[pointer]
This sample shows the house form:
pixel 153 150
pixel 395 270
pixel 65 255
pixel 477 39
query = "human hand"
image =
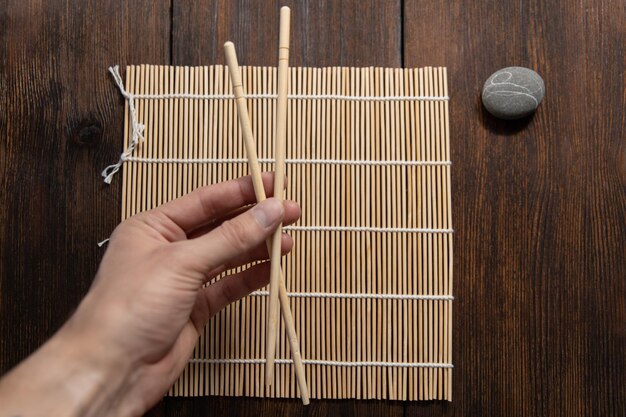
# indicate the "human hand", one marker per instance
pixel 141 318
pixel 148 298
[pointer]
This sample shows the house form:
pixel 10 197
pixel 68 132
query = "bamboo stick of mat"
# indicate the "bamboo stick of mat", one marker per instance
pixel 255 170
pixel 279 183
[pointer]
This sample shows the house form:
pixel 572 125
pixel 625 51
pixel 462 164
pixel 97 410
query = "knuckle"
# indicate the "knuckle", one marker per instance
pixel 207 205
pixel 236 234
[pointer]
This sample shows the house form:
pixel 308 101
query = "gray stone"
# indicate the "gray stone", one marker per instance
pixel 513 92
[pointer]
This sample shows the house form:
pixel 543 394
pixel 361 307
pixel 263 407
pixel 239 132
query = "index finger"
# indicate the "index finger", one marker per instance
pixel 214 201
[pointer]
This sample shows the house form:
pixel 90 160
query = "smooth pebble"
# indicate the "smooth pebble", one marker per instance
pixel 513 92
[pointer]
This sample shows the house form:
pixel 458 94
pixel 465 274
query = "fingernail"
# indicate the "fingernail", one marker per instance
pixel 268 213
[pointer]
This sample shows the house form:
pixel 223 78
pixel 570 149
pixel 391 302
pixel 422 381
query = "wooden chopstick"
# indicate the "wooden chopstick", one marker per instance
pixel 279 183
pixel 255 170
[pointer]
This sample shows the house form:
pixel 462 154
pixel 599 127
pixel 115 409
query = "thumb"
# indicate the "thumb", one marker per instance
pixel 234 237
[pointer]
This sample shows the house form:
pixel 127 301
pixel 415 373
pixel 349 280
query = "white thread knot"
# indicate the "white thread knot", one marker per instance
pixel 137 128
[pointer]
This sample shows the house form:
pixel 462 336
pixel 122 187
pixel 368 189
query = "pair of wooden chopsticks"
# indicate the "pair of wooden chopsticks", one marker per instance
pixel 278 291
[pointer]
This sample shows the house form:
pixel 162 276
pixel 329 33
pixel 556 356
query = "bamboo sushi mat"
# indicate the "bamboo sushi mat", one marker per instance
pixel 370 275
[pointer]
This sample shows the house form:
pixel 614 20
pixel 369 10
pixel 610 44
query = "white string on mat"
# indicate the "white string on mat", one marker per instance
pixel 262 96
pixel 357 162
pixel 367 229
pixel 361 296
pixel 138 129
pixel 239 361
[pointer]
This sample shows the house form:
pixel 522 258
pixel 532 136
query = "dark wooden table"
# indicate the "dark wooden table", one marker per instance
pixel 539 205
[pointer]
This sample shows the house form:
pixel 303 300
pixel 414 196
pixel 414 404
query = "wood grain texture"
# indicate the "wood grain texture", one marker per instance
pixel 539 206
pixel 61 124
pixel 323 33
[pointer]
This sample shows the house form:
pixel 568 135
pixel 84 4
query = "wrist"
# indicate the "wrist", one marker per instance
pixel 97 376
pixel 71 375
